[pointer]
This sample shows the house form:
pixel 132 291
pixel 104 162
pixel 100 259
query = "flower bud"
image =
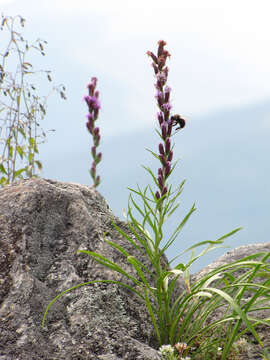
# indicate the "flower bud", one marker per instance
pixel 167 168
pixel 99 157
pixel 160 181
pixel 161 149
pixel 161 44
pixel 164 191
pixel 89 126
pixel 97 182
pixel 164 130
pixel 149 53
pixel 162 160
pixel 92 85
pixel 160 117
pixel 168 145
pixel 155 68
pixel 93 151
pixel 167 92
pixel 167 106
pixel 170 156
pixel 93 170
pixel 96 103
pixel 157 195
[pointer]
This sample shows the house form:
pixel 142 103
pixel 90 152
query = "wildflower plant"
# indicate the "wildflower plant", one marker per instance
pixel 21 107
pixel 93 104
pixel 183 322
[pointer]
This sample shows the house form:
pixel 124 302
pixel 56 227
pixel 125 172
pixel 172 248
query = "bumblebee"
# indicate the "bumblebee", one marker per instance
pixel 177 120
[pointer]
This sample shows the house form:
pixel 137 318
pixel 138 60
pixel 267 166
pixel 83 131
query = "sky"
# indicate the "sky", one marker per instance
pixel 219 65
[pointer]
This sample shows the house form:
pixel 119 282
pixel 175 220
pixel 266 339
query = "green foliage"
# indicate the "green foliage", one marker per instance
pixel 21 107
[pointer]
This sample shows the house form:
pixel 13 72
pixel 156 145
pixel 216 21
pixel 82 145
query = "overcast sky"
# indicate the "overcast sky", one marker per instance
pixel 219 60
pixel 220 52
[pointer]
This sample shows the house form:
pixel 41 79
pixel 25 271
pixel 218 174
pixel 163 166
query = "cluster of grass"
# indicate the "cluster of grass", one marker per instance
pixel 210 318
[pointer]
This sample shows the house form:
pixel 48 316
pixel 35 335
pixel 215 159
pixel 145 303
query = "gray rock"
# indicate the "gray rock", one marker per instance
pixel 42 225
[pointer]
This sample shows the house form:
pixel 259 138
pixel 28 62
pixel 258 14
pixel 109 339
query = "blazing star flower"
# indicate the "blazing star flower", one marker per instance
pixel 93 104
pixel 163 101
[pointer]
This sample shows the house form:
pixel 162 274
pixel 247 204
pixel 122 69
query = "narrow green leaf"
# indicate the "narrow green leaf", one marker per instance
pixel 3 181
pixel 134 262
pixel 238 310
pixel 110 264
pixel 18 172
pixel 84 284
pixel 31 141
pixel 178 229
pixel 20 151
pixel 30 158
pixel 2 169
pixel 39 165
pixel 125 235
pixel 10 151
pixel 152 315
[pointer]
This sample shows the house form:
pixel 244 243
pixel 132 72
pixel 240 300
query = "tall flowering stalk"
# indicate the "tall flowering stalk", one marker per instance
pixel 93 104
pixel 165 122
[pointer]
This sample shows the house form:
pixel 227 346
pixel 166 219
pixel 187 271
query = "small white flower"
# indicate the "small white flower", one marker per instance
pixel 219 350
pixel 166 350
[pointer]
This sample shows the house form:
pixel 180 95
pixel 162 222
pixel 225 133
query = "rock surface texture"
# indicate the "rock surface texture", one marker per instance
pixel 42 225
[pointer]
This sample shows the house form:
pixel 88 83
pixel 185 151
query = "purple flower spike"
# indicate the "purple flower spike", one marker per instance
pixel 162 96
pixel 94 106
